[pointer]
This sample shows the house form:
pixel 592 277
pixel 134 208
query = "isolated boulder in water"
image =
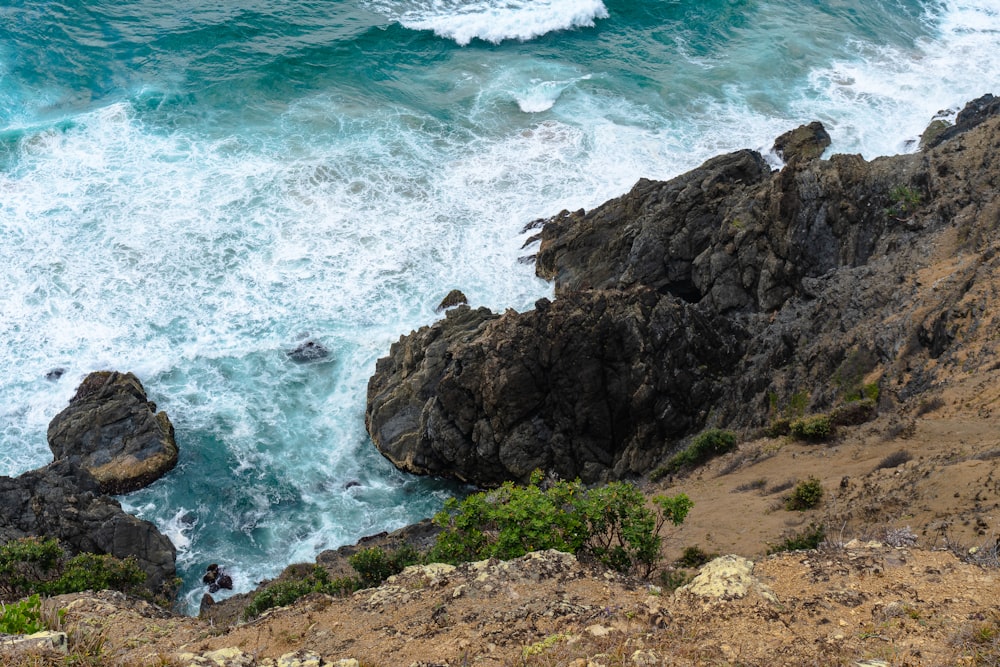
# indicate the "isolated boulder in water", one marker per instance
pixel 308 351
pixel 64 501
pixel 806 142
pixel 111 430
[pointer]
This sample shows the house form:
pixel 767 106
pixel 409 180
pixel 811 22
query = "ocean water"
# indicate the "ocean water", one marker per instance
pixel 190 190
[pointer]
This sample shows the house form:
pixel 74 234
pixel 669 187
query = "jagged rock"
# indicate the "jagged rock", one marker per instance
pixel 973 114
pixel 65 502
pixel 308 351
pixel 115 433
pixel 454 298
pixel 782 278
pixel 806 142
pixel 591 386
pixel 45 641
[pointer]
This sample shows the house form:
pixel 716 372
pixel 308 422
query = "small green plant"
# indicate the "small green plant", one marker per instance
pixel 810 538
pixel 694 556
pixel 374 565
pixel 805 496
pixel 673 579
pixel 610 524
pixel 815 428
pixel 706 445
pixel 905 201
pixel 283 593
pixel 22 618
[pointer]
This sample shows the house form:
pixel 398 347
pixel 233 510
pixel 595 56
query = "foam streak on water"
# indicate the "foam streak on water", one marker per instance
pixel 188 193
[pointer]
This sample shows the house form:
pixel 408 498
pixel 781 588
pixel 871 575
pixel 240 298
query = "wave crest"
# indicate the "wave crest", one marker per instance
pixel 493 20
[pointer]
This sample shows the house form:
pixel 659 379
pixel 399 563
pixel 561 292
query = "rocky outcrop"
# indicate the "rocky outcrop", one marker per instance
pixel 65 502
pixel 590 385
pixel 711 299
pixel 115 433
pixel 110 439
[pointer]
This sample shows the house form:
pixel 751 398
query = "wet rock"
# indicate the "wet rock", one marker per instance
pixel 308 351
pixel 454 298
pixel 972 115
pixel 115 433
pixel 55 374
pixel 806 142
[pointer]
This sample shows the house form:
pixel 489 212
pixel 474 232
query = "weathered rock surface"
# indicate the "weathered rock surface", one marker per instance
pixel 65 502
pixel 710 299
pixel 590 386
pixel 115 433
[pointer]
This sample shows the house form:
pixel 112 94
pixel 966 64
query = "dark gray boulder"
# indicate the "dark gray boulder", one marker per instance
pixel 115 433
pixel 65 502
pixel 806 142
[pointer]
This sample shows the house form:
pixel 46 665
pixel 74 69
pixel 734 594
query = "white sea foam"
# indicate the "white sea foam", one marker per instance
pixel 880 100
pixel 493 20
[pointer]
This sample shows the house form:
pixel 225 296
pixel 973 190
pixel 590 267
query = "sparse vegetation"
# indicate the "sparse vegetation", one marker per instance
pixel 610 524
pixel 706 445
pixel 807 495
pixel 694 556
pixel 752 485
pixel 894 460
pixel 815 428
pixel 905 201
pixel 810 538
pixel 284 593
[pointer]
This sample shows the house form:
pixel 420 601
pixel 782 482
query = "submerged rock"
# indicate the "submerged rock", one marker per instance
pixel 307 351
pixel 112 430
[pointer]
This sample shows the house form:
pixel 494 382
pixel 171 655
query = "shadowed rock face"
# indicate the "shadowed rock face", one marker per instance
pixel 65 502
pixel 709 300
pixel 588 386
pixel 109 440
pixel 112 431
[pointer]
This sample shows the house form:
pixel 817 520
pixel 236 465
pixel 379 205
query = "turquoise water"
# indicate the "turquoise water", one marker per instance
pixel 188 192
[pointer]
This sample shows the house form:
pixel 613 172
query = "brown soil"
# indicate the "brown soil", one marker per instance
pixel 927 601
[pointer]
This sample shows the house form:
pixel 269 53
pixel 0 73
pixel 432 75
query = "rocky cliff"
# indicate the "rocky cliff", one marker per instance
pixel 110 439
pixel 714 299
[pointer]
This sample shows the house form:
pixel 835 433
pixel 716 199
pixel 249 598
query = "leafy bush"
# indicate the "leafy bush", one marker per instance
pixel 284 593
pixel 905 201
pixel 375 565
pixel 610 524
pixel 22 618
pixel 706 445
pixel 806 495
pixel 810 538
pixel 814 429
pixel 33 565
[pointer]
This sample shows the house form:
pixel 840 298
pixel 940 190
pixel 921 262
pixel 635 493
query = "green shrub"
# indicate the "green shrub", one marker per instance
pixel 810 538
pixel 814 429
pixel 374 565
pixel 610 524
pixel 33 565
pixel 21 618
pixel 694 556
pixel 806 495
pixel 706 445
pixel 778 427
pixel 283 593
pixel 671 580
pixel 905 201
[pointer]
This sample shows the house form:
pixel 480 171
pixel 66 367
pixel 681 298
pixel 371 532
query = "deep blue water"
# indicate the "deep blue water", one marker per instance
pixel 189 191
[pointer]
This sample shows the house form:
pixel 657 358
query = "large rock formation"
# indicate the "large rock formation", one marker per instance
pixel 112 430
pixel 710 299
pixel 65 502
pixel 109 440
